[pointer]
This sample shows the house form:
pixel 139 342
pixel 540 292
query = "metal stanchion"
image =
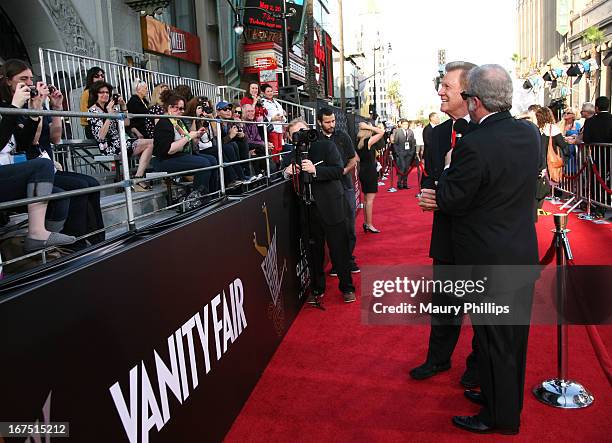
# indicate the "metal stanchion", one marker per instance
pixel 561 392
pixel 392 188
pixel 266 151
pixel 129 204
pixel 220 156
pixel 587 215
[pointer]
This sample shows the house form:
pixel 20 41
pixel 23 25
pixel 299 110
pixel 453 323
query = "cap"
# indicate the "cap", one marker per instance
pixel 222 105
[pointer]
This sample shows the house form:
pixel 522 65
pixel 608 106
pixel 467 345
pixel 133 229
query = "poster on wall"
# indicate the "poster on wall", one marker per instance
pixel 270 77
pixel 161 38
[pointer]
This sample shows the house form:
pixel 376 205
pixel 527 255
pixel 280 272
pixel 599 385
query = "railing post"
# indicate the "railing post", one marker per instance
pixel 126 175
pixel 220 156
pixel 266 151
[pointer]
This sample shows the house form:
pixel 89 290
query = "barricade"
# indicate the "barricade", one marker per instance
pixel 587 178
pixel 124 181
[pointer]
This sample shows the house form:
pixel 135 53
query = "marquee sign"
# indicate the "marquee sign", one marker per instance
pixel 161 38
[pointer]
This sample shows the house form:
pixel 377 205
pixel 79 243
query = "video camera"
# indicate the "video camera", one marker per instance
pixel 302 140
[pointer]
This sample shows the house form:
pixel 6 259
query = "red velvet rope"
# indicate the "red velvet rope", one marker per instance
pixel 577 174
pixel 598 345
pixel 600 180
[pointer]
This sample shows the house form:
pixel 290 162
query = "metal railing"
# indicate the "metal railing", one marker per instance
pixel 587 177
pixel 68 72
pixel 126 182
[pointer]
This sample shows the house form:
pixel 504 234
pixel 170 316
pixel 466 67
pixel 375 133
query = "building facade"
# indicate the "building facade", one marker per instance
pixel 113 30
pixel 553 36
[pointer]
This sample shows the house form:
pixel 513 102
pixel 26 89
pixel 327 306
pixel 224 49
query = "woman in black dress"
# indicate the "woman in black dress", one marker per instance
pixel 367 137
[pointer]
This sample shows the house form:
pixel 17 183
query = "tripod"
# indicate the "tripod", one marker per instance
pixel 561 392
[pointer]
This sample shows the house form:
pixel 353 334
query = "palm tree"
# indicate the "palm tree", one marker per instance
pixel 594 36
pixel 393 91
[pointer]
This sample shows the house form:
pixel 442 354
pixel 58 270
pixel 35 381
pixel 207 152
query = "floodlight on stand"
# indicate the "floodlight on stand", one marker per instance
pixel 238 26
pixel 575 70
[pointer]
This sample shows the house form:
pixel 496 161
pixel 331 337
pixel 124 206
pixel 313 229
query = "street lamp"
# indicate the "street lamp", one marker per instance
pixel 376 48
pixel 284 15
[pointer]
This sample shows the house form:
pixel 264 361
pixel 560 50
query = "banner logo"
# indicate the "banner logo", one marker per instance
pixel 272 273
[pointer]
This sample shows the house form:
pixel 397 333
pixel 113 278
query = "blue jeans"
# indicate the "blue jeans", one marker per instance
pixel 33 178
pixel 205 181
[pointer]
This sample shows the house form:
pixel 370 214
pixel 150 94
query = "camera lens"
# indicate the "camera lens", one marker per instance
pixel 33 91
pixel 115 97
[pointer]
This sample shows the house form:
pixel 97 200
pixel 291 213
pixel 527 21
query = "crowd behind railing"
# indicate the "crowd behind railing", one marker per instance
pixel 216 147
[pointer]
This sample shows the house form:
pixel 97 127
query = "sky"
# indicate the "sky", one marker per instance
pixel 479 31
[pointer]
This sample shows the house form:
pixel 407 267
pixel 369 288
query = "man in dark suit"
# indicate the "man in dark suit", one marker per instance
pixel 434 120
pixel 404 148
pixel 488 190
pixel 445 329
pixel 327 213
pixel 598 129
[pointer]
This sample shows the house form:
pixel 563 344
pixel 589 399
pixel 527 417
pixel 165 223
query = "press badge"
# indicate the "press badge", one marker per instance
pixel 406 145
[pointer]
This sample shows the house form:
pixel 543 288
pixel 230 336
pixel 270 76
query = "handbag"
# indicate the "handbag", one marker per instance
pixel 543 187
pixel 554 162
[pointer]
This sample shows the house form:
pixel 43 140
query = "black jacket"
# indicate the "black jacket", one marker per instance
pixel 427 130
pixel 441 247
pixel 24 134
pixel 327 188
pixel 489 191
pixel 163 137
pixel 136 106
pixel 598 129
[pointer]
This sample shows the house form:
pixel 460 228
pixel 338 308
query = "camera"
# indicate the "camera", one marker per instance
pixel 115 98
pixel 205 105
pixel 52 89
pixel 259 103
pixel 33 91
pixel 304 137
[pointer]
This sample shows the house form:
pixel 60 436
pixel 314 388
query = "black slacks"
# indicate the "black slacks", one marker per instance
pixel 502 355
pixel 338 242
pixel 445 328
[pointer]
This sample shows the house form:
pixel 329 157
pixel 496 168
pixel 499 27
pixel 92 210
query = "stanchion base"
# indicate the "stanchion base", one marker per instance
pixel 381 183
pixel 391 190
pixel 586 217
pixel 565 394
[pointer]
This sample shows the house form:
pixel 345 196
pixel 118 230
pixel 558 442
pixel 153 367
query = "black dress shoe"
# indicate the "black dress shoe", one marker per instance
pixel 427 370
pixel 473 424
pixel 469 379
pixel 474 396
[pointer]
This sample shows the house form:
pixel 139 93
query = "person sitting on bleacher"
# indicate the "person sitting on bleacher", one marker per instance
pixel 94 74
pixel 201 107
pixel 157 106
pixel 257 146
pixel 234 175
pixel 138 104
pixel 172 148
pixel 28 178
pixel 106 131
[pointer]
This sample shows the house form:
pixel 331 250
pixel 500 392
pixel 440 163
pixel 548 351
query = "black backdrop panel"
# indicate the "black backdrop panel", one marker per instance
pixel 121 345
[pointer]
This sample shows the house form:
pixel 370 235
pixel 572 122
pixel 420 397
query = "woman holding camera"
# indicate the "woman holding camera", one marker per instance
pixel 106 131
pixel 200 107
pixel 172 147
pixel 32 178
pixel 367 138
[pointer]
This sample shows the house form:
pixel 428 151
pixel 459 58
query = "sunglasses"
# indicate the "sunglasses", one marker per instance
pixel 238 112
pixel 466 95
pixel 228 108
pixel 178 108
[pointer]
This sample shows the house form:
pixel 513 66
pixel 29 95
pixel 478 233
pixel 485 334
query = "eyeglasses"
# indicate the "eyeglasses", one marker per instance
pixel 466 95
pixel 103 92
pixel 228 108
pixel 100 75
pixel 178 108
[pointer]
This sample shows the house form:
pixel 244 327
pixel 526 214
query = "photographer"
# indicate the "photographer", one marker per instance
pixel 319 162
pixel 172 148
pixel 106 131
pixel 201 107
pixel 229 139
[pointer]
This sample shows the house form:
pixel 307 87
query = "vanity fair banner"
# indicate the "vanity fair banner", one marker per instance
pixel 161 340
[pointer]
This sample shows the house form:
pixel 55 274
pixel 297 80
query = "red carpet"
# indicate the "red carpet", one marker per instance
pixel 334 379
